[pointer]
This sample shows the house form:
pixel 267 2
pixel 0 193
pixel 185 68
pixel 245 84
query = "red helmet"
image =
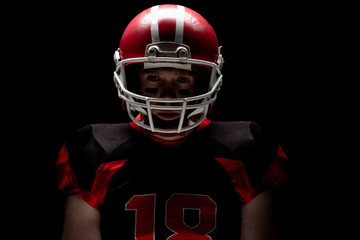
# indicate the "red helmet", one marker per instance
pixel 169 36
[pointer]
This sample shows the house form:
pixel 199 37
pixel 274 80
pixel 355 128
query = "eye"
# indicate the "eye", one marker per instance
pixel 183 80
pixel 153 78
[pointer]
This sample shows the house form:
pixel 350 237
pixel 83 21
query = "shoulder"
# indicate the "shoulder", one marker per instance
pixel 87 162
pixel 251 155
pixel 254 146
pixel 96 138
pixel 240 135
pixel 89 147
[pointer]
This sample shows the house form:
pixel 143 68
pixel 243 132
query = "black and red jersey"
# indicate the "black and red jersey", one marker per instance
pixel 189 189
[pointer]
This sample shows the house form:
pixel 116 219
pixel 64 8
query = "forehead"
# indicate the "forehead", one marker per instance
pixel 167 71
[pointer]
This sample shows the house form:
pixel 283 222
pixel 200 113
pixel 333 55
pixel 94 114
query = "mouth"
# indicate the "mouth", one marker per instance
pixel 168 115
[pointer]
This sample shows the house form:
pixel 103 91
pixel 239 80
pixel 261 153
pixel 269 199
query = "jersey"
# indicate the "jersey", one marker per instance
pixel 149 189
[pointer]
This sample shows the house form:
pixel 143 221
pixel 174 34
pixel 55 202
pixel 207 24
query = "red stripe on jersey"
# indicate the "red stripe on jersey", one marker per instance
pixel 65 174
pixel 238 174
pixel 67 179
pixel 281 153
pixel 276 174
pixel 103 178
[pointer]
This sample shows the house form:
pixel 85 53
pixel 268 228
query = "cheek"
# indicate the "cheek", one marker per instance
pixel 185 92
pixel 150 91
pixel 188 89
pixel 147 88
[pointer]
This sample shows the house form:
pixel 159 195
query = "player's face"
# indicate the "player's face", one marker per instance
pixel 167 83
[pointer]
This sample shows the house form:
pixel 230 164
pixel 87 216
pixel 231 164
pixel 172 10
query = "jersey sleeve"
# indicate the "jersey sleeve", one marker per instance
pixel 81 169
pixel 266 166
pixel 259 165
pixel 274 175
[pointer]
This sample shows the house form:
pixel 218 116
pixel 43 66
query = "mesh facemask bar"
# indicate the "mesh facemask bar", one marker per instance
pixel 212 78
pixel 144 105
pixel 181 121
pixel 151 122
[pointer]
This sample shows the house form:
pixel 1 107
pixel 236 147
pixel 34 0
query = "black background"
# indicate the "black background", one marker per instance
pixel 275 56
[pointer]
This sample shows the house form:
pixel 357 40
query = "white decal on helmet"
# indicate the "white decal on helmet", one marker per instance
pixel 179 33
pixel 154 24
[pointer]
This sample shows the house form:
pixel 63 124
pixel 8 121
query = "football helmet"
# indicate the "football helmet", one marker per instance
pixel 168 36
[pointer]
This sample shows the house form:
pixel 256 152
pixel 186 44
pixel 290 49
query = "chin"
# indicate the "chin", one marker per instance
pixel 166 120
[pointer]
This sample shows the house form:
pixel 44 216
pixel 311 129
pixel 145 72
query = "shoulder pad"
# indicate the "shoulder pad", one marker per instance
pixel 247 142
pixel 232 135
pixel 91 146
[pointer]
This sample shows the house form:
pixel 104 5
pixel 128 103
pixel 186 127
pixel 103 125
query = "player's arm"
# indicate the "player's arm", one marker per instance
pixel 82 222
pixel 256 219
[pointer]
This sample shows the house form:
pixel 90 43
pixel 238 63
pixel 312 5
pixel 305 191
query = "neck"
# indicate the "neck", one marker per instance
pixel 171 136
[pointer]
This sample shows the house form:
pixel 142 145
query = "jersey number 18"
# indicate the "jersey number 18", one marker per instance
pixel 144 205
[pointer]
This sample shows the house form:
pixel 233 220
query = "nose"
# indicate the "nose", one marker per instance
pixel 168 90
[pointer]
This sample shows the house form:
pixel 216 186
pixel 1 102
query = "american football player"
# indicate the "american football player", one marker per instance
pixel 171 173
